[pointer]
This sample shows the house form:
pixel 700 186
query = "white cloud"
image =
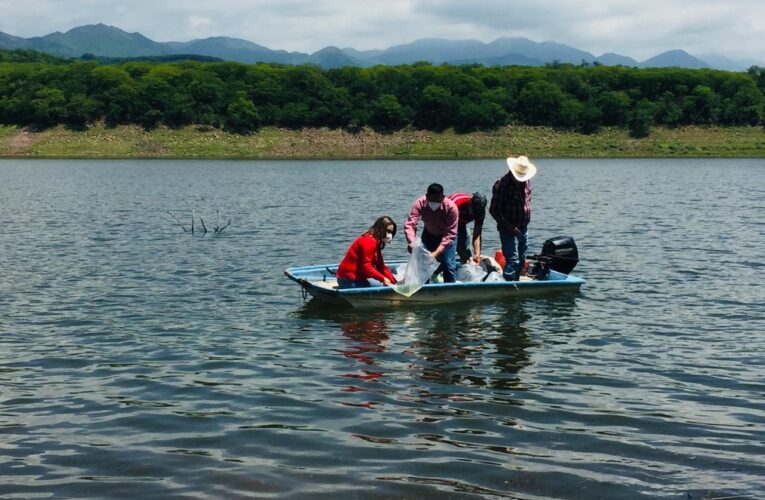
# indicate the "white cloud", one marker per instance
pixel 199 25
pixel 635 28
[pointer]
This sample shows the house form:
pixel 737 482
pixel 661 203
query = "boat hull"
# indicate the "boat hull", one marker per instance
pixel 319 282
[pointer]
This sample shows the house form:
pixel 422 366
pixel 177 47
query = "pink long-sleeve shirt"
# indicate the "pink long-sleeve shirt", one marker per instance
pixel 441 222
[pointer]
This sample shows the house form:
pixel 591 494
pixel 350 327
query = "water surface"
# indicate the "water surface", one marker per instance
pixel 136 359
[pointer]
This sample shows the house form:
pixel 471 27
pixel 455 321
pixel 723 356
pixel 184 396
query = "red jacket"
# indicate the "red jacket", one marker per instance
pixel 464 202
pixel 363 261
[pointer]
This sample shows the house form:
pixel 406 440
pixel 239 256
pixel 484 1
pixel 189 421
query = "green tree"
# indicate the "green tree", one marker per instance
pixel 436 108
pixel 569 114
pixel 668 112
pixel 590 118
pixel 641 119
pixel 615 106
pixel 121 105
pixel 388 115
pixel 484 115
pixel 703 106
pixel 48 107
pixel 81 110
pixel 295 115
pixel 241 115
pixel 747 107
pixel 540 103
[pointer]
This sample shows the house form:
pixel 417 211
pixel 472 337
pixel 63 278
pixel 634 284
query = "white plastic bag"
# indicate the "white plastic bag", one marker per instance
pixel 470 272
pixel 418 270
pixel 494 276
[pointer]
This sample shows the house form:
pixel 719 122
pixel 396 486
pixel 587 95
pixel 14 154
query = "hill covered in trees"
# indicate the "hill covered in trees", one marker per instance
pixel 243 97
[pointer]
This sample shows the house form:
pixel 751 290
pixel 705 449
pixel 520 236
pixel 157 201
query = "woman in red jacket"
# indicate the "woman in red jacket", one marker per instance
pixel 364 259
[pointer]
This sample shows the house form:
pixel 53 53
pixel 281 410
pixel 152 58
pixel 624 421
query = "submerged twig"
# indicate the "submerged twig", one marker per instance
pixel 224 227
pixel 218 228
pixel 177 220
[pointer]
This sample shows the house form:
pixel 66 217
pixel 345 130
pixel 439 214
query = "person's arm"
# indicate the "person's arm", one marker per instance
pixel 410 226
pixel 477 230
pixel 368 251
pixel 387 273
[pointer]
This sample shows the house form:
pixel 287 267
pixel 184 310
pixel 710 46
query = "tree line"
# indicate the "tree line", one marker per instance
pixel 42 91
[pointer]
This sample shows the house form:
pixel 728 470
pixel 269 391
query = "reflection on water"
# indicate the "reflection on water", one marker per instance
pixel 466 345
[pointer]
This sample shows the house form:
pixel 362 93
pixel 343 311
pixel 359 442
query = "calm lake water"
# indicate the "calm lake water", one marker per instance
pixel 136 359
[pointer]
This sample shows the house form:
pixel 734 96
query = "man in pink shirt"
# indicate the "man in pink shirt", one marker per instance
pixel 440 217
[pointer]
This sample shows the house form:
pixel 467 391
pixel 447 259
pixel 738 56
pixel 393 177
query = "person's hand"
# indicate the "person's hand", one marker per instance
pixel 517 230
pixel 435 254
pixel 386 282
pixel 476 260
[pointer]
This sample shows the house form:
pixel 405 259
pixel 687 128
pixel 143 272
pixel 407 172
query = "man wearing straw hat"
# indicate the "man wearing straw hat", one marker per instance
pixel 511 208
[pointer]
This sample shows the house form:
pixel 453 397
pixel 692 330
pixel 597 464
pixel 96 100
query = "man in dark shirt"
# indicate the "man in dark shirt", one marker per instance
pixel 511 208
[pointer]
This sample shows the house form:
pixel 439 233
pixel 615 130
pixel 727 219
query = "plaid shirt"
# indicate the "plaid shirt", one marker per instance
pixel 511 201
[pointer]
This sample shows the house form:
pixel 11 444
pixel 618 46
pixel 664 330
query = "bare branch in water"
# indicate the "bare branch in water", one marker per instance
pixel 224 227
pixel 217 229
pixel 177 220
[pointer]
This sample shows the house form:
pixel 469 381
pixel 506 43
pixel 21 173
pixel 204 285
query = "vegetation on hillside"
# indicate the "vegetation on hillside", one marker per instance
pixel 131 141
pixel 242 98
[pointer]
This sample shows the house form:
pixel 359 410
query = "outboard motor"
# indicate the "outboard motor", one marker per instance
pixel 560 254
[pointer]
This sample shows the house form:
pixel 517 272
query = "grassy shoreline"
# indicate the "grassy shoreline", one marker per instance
pixel 99 141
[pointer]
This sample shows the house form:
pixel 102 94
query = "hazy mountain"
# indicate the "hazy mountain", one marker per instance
pixel 13 42
pixel 236 49
pixel 109 42
pixel 435 50
pixel 506 60
pixel 100 40
pixel 362 55
pixel 722 62
pixel 611 59
pixel 332 57
pixel 544 51
pixel 674 58
pixel 438 50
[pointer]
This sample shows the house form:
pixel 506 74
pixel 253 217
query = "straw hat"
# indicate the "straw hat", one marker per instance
pixel 521 168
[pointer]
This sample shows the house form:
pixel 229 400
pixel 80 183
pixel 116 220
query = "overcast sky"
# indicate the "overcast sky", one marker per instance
pixel 635 28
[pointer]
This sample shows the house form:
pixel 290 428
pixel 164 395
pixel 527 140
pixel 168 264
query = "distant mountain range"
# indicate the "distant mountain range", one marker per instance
pixel 110 42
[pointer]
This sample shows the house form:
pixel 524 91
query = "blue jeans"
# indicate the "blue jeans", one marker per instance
pixel 464 246
pixel 514 249
pixel 448 257
pixel 344 283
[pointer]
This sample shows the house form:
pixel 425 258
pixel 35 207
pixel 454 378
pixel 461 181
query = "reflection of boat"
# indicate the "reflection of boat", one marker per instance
pixel 320 282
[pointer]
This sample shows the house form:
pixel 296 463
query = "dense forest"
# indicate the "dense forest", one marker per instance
pixel 41 91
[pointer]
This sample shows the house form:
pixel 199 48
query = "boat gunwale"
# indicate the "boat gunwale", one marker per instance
pixel 293 273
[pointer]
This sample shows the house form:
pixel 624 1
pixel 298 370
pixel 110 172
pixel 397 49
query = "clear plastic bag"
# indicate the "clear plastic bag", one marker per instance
pixel 417 271
pixel 470 272
pixel 493 277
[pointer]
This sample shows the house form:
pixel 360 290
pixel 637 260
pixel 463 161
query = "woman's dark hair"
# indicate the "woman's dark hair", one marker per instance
pixel 380 228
